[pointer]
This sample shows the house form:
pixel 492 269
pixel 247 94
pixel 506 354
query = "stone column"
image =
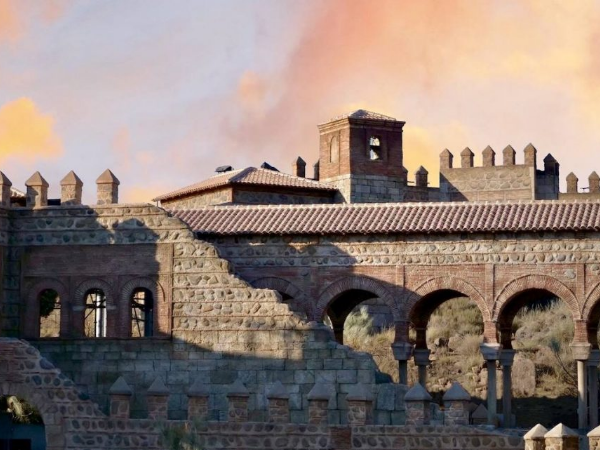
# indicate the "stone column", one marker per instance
pixel 238 397
pixel 422 361
pixel 120 399
pixel 592 368
pixel 456 405
pixel 71 189
pixel 108 188
pixel 561 438
pixel 534 438
pixel 279 403
pixel 157 398
pixel 197 402
pixel 37 191
pixel 581 353
pixel 491 354
pixel 418 406
pixel 507 358
pixel 5 185
pixel 318 402
pixel 360 406
pixel 402 352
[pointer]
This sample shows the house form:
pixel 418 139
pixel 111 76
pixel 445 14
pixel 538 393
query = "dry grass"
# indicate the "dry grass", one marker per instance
pixel 542 334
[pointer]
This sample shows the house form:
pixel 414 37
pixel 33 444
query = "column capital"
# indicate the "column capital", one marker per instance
pixel 490 352
pixel 421 356
pixel 507 357
pixel 594 358
pixel 581 350
pixel 402 350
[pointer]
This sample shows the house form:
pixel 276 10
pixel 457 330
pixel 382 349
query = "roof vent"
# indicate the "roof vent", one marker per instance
pixel 268 166
pixel 223 169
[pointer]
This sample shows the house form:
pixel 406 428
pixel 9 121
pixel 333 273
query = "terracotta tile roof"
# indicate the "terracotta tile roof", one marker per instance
pixel 251 176
pixel 395 218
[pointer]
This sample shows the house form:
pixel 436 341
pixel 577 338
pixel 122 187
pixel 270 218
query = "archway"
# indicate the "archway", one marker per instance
pixel 536 318
pixel 447 330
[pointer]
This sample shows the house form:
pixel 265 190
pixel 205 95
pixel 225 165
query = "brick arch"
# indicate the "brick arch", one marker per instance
pixel 542 282
pixel 31 327
pixel 31 377
pixel 147 283
pixel 279 285
pixel 124 306
pixel 591 301
pixel 447 284
pixel 93 283
pixel 355 282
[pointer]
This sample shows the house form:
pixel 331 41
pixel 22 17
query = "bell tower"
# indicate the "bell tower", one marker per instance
pixel 361 155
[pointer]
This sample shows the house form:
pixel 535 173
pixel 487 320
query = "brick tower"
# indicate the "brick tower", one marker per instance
pixel 361 155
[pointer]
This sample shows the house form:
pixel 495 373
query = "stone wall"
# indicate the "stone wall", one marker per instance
pixel 368 188
pixel 209 324
pixel 487 183
pixel 218 196
pixel 278 196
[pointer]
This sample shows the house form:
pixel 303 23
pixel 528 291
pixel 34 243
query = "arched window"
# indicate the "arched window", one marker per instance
pixel 95 313
pixel 49 303
pixel 334 150
pixel 142 313
pixel 375 148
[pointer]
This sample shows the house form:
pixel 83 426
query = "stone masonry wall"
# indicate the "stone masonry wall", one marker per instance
pixel 221 329
pixel 487 183
pixel 216 197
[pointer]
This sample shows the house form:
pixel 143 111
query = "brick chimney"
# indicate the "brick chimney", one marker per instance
pixel 299 167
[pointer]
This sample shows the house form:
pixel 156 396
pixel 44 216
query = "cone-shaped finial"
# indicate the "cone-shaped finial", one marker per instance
pixel 537 432
pixel 508 156
pixel 489 157
pixel 71 179
pixel 120 387
pixel 417 394
pixel 36 180
pixel 456 393
pixel 108 177
pixel 158 388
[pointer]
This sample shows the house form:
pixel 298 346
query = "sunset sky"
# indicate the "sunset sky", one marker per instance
pixel 162 92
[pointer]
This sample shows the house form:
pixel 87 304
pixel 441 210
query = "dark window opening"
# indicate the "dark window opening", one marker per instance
pixel 375 148
pixel 95 313
pixel 142 313
pixel 49 303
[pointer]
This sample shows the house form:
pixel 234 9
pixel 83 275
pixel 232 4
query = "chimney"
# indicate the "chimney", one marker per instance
pixel 70 189
pixel 299 167
pixel 5 186
pixel 316 171
pixel 594 181
pixel 421 177
pixel 37 191
pixel 446 159
pixel 530 156
pixel 551 165
pixel 108 188
pixel 508 156
pixel 572 183
pixel 489 157
pixel 466 158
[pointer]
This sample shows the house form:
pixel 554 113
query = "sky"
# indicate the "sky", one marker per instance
pixel 163 92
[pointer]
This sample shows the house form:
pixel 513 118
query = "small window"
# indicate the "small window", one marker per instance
pixel 142 313
pixel 49 303
pixel 374 148
pixel 95 313
pixel 334 150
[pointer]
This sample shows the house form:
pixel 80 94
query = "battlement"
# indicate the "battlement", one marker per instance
pixel 591 191
pixel 71 189
pixel 509 181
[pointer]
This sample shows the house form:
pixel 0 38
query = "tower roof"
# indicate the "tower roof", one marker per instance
pixel 363 114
